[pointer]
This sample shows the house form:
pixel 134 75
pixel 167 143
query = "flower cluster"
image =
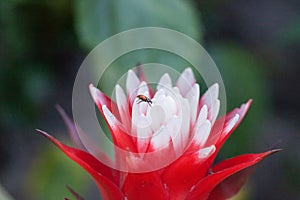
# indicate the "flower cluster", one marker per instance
pixel 166 140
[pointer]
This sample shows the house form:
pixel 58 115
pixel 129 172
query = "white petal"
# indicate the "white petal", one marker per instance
pixel 164 82
pixel 158 117
pixel 185 81
pixel 167 103
pixel 231 123
pixel 160 139
pixel 143 89
pixel 185 123
pixel 143 137
pixel 202 115
pixel 132 84
pixel 213 91
pixel 111 119
pixel 138 119
pixel 173 127
pixel 193 98
pixel 122 106
pixel 206 152
pixel 210 98
pixel 201 133
pixel 215 107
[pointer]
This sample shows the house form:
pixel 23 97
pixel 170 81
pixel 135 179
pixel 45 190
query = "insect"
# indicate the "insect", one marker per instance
pixel 143 98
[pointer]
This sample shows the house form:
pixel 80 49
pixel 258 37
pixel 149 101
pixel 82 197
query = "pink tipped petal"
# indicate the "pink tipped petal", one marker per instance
pixel 71 129
pixel 146 186
pixel 105 177
pixel 119 135
pixel 165 82
pixel 186 81
pixel 132 84
pixel 101 99
pixel 186 171
pixel 205 187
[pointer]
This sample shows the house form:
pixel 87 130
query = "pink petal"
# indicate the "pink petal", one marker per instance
pixel 205 187
pixel 146 186
pixel 185 172
pixel 105 177
pixel 186 81
pixel 165 82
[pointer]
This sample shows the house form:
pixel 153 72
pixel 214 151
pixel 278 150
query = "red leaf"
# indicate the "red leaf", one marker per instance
pixel 231 185
pixel 146 186
pixel 185 172
pixel 103 175
pixel 205 187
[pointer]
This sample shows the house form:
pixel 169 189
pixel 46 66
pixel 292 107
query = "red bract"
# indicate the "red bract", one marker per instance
pixel 167 146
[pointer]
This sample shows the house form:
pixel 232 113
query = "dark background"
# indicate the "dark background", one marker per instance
pixel 255 44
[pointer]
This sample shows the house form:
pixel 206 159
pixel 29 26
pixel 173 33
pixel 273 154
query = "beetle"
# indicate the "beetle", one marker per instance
pixel 143 98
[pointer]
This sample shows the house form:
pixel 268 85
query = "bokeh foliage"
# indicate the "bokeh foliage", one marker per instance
pixel 43 42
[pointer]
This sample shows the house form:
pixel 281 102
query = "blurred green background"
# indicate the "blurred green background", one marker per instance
pixel 255 44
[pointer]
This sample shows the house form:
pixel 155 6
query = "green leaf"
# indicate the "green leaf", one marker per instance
pixel 96 20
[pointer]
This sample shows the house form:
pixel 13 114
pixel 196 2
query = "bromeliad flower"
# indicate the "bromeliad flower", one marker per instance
pixel 166 140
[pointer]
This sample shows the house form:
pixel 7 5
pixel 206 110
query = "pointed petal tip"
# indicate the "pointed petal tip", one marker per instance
pixel 93 90
pixel 248 103
pixel 215 86
pixel 42 132
pixel 61 111
pixel 47 135
pixel 270 152
pixel 58 107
